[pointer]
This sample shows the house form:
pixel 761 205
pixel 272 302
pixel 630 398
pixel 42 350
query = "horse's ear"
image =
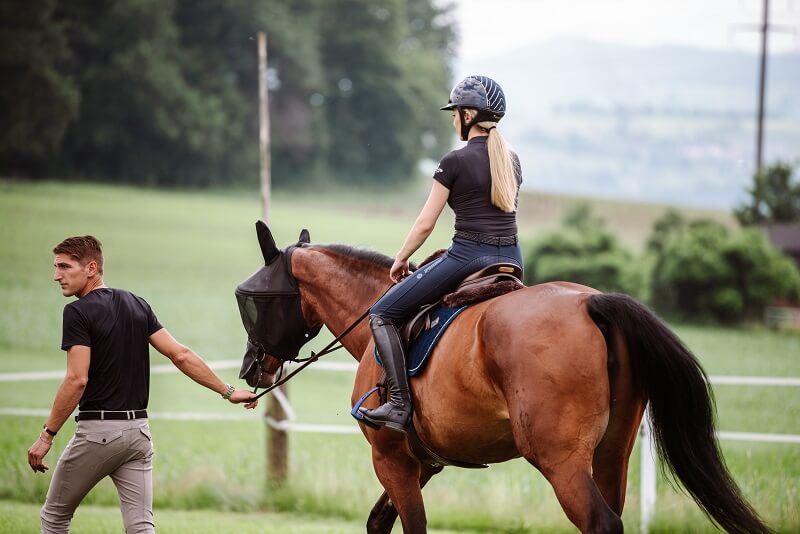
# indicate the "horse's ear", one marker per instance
pixel 267 243
pixel 305 237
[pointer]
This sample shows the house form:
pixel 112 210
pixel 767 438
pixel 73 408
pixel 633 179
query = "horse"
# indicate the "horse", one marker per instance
pixel 558 373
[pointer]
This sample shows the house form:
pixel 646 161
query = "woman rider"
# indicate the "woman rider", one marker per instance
pixel 480 182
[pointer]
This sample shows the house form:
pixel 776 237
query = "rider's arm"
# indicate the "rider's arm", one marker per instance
pixel 193 365
pixel 426 221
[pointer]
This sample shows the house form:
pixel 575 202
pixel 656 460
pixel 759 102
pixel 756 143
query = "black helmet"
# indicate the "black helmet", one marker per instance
pixel 481 93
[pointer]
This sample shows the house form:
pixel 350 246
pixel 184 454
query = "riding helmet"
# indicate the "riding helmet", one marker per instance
pixel 481 93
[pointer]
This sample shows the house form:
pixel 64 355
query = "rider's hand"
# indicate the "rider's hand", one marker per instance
pixel 240 395
pixel 399 270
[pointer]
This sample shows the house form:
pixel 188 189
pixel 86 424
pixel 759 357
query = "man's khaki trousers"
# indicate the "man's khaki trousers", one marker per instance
pixel 122 450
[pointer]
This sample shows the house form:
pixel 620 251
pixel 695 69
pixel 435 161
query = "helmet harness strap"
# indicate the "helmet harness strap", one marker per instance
pixel 480 116
pixel 465 126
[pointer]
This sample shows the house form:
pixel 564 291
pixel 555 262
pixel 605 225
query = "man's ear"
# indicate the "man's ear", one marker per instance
pixel 91 268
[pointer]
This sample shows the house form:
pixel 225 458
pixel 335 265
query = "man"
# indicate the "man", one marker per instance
pixel 106 334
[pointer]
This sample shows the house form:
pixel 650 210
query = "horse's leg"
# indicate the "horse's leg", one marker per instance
pixel 400 475
pixel 383 514
pixel 610 463
pixel 558 408
pixel 565 459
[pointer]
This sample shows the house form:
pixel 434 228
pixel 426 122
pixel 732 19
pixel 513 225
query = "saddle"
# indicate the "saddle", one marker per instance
pixel 490 282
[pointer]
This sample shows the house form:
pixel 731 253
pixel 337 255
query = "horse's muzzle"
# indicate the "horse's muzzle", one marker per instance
pixel 253 370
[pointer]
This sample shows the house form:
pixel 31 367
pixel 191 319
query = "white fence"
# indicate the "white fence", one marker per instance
pixel 290 424
pixel 647 484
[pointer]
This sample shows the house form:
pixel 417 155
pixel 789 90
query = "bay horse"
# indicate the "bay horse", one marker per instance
pixel 558 373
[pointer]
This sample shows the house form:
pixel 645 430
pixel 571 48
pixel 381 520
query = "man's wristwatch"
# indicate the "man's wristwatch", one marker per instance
pixel 228 392
pixel 50 432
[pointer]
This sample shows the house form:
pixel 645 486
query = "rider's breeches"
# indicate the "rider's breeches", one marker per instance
pixel 440 277
pixel 122 450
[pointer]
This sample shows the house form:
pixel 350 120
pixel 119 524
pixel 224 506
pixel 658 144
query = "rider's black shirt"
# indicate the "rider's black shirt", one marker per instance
pixel 115 325
pixel 465 172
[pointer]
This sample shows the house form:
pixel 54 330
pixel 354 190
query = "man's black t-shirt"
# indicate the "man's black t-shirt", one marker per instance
pixel 465 172
pixel 116 325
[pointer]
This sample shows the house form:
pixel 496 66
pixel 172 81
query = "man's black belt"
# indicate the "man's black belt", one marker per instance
pixel 115 415
pixel 487 239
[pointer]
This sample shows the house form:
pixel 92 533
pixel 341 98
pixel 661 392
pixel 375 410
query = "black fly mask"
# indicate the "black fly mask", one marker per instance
pixel 269 303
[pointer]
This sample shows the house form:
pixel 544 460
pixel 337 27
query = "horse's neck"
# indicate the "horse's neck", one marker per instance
pixel 337 295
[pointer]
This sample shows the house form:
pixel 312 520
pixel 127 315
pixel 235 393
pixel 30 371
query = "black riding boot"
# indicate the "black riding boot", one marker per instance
pixel 396 412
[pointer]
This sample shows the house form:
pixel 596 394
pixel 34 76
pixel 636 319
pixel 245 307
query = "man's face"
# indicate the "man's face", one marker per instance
pixel 71 275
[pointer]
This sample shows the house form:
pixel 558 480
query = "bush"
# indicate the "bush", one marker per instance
pixel 702 270
pixel 774 197
pixel 585 252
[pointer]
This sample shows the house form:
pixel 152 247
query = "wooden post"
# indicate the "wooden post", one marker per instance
pixel 277 440
pixel 263 131
pixel 277 443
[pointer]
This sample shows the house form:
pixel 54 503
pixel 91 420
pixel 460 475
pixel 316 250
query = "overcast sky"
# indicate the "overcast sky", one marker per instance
pixel 492 26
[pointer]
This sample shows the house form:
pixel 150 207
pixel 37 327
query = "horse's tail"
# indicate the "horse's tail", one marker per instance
pixel 682 408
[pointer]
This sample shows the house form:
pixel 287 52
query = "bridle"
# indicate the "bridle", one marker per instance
pixel 304 362
pixel 271 296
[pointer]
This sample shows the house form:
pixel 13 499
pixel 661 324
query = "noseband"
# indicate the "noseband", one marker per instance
pixel 304 362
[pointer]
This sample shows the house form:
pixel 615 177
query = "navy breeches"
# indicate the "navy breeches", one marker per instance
pixel 440 277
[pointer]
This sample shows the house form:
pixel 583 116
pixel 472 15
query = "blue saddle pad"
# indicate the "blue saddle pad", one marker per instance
pixel 417 354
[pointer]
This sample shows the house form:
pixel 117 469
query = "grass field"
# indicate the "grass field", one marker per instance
pixel 185 253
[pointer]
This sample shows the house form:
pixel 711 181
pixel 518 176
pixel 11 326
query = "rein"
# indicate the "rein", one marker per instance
pixel 311 359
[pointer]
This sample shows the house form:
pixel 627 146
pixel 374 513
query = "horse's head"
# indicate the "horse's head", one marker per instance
pixel 269 303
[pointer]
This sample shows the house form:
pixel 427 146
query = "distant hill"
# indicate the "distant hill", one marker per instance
pixel 666 124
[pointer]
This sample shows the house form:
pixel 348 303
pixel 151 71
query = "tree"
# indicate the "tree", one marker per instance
pixel 385 78
pixel 168 89
pixel 38 98
pixel 585 252
pixel 703 270
pixel 774 197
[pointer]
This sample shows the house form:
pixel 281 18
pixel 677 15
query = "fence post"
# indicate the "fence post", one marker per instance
pixel 647 482
pixel 277 440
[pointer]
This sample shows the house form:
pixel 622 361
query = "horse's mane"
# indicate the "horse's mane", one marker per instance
pixel 363 254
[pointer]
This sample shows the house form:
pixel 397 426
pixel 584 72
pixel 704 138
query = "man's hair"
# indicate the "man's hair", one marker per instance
pixel 82 249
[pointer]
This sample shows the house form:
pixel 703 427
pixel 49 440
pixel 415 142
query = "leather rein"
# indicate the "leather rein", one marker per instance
pixel 309 360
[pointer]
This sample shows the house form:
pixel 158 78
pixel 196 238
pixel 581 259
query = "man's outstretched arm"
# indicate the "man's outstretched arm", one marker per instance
pixel 195 368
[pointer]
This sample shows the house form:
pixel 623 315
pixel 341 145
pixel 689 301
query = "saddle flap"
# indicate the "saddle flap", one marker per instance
pixel 417 324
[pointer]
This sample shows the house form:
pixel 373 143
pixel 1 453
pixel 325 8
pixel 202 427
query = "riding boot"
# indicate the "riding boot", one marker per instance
pixel 396 412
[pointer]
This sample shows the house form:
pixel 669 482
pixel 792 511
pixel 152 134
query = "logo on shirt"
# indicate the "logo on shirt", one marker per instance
pixel 438 170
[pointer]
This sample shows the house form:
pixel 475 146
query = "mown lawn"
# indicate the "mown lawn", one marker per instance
pixel 185 253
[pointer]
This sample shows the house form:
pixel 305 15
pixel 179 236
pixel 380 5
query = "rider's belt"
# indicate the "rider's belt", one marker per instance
pixel 104 415
pixel 487 239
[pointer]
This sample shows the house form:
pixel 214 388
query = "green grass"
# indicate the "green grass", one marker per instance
pixel 22 518
pixel 185 252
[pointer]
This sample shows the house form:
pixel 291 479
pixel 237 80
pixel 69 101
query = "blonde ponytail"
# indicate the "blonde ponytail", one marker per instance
pixel 502 168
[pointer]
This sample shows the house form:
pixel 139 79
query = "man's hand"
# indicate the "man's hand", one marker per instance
pixel 240 395
pixel 37 452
